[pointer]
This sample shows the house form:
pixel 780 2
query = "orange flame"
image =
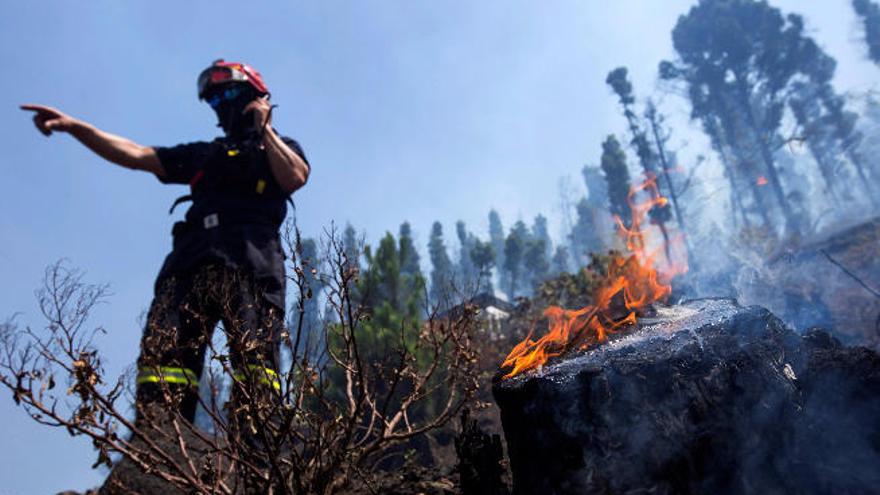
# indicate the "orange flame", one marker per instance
pixel 762 181
pixel 631 285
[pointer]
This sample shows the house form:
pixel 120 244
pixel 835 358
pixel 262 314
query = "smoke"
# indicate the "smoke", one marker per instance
pixel 821 280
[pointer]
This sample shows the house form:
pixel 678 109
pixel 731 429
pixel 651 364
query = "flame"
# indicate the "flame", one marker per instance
pixel 762 181
pixel 631 285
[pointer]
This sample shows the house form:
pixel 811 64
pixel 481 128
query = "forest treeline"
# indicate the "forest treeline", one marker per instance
pixel 759 86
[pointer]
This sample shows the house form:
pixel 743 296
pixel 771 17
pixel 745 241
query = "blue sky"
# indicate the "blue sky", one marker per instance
pixel 417 111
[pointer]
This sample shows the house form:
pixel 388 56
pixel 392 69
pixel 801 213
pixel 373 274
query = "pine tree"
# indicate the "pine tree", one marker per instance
pixel 496 238
pixel 808 112
pixel 706 107
pixel 593 227
pixel 832 126
pixel 409 256
pixel 441 273
pixel 542 233
pixel 514 251
pixel 843 123
pixel 559 264
pixel 412 280
pixel 393 293
pixel 467 271
pixel 597 189
pixel 536 265
pixel 619 82
pixel 483 256
pixel 848 138
pixel 536 258
pixel 585 232
pixel 310 331
pixel 738 58
pixel 353 246
pixel 870 125
pixel 870 13
pixel 395 310
pixel 617 177
pixel 383 275
pixel 655 124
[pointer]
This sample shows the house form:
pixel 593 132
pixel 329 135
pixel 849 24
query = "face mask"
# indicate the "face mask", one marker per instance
pixel 229 116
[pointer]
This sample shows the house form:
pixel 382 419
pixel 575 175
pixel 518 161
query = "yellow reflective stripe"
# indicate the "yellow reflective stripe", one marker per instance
pixel 270 376
pixel 265 381
pixel 168 374
pixel 261 186
pixel 268 371
pixel 180 371
pixel 167 379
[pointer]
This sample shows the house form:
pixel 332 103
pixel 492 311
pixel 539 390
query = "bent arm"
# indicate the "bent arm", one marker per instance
pixel 289 169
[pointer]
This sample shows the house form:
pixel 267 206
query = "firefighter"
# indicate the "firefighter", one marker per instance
pixel 227 261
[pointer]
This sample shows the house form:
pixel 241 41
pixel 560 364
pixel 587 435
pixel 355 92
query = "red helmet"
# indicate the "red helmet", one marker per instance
pixel 221 72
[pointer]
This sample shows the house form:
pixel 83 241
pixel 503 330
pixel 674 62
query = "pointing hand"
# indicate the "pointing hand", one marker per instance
pixel 48 119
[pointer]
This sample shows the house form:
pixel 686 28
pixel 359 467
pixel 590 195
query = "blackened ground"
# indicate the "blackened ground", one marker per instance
pixel 708 397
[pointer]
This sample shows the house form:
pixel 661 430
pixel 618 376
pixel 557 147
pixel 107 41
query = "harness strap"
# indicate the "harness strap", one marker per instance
pixel 197 177
pixel 189 197
pixel 182 199
pixel 200 174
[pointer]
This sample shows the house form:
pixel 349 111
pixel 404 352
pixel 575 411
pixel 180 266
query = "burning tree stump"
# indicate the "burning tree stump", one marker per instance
pixel 707 397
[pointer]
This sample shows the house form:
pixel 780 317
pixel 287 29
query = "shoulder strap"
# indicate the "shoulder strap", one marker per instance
pixel 182 199
pixel 192 184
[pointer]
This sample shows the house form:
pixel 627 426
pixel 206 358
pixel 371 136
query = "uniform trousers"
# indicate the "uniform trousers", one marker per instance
pixel 186 308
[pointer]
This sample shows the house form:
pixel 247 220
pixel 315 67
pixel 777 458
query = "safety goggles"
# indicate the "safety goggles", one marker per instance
pixel 219 75
pixel 230 93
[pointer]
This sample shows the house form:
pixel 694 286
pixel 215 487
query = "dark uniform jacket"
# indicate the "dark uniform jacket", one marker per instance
pixel 237 210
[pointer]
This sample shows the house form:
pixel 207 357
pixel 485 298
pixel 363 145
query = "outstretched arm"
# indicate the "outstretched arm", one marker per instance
pixel 110 147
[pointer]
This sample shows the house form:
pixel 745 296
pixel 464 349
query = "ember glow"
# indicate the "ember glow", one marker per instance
pixel 632 284
pixel 762 181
